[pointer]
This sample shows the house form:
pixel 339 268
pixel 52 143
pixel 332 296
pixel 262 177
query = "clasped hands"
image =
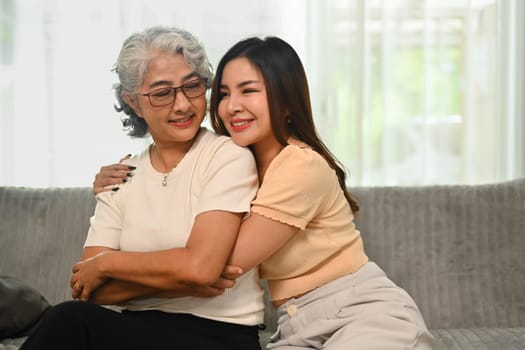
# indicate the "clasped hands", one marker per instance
pixel 87 278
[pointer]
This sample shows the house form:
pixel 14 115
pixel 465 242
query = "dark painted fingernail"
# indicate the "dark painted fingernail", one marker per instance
pixel 124 180
pixel 115 189
pixel 130 174
pixel 131 167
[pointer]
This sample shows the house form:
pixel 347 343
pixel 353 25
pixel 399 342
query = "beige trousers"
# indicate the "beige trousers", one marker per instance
pixel 364 310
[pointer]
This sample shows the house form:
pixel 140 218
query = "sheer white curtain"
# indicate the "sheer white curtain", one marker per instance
pixel 404 92
pixel 422 91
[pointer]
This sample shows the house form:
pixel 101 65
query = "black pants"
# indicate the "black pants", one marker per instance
pixel 75 325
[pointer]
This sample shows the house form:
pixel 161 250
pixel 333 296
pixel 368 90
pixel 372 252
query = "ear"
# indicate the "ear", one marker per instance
pixel 131 101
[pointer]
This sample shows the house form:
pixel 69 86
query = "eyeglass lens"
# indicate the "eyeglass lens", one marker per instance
pixel 166 96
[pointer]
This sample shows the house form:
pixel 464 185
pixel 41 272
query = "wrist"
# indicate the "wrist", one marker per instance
pixel 104 263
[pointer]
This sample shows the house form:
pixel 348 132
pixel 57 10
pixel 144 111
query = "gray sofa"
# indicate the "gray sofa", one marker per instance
pixel 458 250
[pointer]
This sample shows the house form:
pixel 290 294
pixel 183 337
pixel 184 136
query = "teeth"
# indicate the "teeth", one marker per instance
pixel 241 123
pixel 182 120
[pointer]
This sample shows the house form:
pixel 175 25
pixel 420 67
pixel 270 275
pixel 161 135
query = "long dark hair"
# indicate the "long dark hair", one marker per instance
pixel 288 97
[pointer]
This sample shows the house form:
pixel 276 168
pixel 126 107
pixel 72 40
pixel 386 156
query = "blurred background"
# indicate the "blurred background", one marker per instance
pixel 405 92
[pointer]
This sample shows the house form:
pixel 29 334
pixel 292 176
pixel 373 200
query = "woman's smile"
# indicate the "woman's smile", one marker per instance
pixel 182 122
pixel 239 125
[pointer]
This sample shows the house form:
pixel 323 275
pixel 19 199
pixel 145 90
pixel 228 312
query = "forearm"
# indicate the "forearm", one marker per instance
pixel 117 292
pixel 259 238
pixel 158 271
pixel 133 275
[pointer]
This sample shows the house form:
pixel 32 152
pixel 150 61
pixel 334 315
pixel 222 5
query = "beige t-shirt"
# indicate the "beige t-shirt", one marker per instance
pixel 300 189
pixel 143 215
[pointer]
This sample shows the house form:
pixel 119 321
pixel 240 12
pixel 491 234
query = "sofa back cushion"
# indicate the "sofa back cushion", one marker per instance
pixel 42 232
pixel 458 250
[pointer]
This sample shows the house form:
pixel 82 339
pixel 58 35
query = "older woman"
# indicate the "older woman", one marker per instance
pixel 157 243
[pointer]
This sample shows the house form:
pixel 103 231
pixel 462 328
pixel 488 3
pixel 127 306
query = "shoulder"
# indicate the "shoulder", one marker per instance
pixel 219 154
pixel 298 182
pixel 142 163
pixel 222 147
pixel 298 158
pixel 138 159
pixel 299 172
pixel 299 154
pixel 209 140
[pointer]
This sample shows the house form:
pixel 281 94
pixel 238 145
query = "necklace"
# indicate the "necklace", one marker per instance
pixel 164 181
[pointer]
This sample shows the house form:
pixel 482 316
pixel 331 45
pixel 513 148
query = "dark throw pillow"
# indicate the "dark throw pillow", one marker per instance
pixel 21 306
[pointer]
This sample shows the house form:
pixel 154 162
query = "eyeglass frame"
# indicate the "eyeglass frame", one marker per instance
pixel 175 88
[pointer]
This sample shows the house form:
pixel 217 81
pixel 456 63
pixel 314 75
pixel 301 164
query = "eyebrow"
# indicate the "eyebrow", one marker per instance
pixel 241 84
pixel 169 82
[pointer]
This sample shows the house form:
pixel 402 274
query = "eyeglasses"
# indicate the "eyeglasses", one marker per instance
pixel 166 96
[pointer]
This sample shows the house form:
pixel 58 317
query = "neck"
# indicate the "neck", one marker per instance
pixel 165 157
pixel 264 155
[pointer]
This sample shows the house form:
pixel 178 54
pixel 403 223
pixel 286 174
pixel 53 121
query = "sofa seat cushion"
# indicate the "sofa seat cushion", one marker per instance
pixel 464 339
pixel 480 338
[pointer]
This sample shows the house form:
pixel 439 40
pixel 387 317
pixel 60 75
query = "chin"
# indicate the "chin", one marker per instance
pixel 188 133
pixel 241 141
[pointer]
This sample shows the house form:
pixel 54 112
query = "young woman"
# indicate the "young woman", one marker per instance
pixel 301 231
pixel 156 245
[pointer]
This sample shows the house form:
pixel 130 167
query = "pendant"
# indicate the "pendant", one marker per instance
pixel 165 181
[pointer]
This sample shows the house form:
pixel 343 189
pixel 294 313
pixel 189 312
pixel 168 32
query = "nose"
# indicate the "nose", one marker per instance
pixel 181 103
pixel 234 105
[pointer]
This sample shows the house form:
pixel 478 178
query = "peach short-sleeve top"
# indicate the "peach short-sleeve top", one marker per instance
pixel 302 190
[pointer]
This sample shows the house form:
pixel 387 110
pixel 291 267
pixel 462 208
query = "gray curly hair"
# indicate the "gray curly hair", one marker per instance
pixel 135 56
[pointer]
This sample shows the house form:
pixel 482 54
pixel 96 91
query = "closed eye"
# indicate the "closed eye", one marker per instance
pixel 223 94
pixel 162 92
pixel 192 85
